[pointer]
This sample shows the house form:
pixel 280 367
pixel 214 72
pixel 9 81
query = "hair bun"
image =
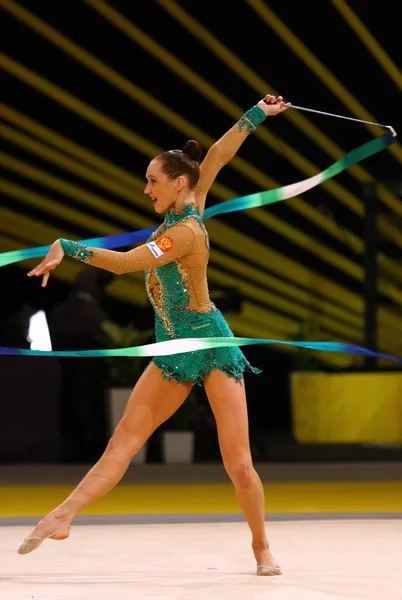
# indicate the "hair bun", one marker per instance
pixel 193 150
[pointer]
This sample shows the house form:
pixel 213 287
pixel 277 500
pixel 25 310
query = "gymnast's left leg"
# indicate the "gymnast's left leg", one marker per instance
pixel 152 401
pixel 227 398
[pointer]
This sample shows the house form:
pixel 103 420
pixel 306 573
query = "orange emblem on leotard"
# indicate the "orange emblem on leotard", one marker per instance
pixel 165 243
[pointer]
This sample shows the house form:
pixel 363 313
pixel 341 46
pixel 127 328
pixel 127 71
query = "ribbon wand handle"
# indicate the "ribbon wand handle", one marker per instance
pixel 327 114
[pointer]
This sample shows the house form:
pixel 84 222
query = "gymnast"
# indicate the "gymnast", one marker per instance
pixel 175 263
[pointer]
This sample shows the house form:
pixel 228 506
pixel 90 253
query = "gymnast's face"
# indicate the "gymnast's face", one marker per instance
pixel 162 190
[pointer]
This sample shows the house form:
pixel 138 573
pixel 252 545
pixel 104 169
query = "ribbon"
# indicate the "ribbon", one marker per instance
pixel 194 345
pixel 242 203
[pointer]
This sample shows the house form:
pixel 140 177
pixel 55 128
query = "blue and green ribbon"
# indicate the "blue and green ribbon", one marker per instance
pixel 194 344
pixel 242 203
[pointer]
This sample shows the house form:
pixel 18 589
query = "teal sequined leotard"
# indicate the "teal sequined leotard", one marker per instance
pixel 175 261
pixel 179 295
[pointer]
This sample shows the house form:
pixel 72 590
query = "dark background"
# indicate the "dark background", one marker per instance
pixel 240 28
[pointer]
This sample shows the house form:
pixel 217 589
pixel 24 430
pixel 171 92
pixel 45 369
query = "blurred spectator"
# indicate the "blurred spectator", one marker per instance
pixel 75 324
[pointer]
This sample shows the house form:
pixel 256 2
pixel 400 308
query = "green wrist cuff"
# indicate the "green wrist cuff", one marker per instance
pixel 76 250
pixel 252 118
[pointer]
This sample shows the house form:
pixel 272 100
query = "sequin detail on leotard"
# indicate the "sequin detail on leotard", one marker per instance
pixel 76 250
pixel 179 295
pixel 252 118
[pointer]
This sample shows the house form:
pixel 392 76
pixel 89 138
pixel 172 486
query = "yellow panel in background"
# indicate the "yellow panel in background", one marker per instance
pixel 350 497
pixel 347 408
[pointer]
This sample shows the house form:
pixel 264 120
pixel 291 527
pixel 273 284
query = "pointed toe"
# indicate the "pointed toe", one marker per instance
pixel 29 545
pixel 33 542
pixel 264 571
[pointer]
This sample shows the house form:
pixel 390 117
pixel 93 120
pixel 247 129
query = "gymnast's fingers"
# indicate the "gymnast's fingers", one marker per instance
pixel 45 279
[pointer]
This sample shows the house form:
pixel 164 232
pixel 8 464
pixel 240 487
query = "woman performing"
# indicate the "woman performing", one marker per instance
pixel 175 262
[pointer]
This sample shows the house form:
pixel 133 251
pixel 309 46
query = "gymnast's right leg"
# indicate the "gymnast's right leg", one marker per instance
pixel 152 401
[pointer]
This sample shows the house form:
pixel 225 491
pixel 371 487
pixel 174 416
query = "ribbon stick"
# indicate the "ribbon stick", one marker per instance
pixel 327 114
pixel 195 344
pixel 251 201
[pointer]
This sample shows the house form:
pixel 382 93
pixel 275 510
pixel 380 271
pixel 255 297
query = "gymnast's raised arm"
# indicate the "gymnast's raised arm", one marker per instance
pixel 226 147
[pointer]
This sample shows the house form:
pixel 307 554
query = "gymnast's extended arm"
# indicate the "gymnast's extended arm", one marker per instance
pixel 175 244
pixel 226 147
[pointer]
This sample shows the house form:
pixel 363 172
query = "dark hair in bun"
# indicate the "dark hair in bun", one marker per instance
pixel 193 149
pixel 183 162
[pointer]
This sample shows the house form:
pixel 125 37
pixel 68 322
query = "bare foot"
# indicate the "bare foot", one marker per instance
pixel 266 564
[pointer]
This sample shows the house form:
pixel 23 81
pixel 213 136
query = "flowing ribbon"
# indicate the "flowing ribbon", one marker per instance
pixel 194 345
pixel 242 203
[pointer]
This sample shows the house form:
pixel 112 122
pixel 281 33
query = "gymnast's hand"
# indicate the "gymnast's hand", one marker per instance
pixel 271 105
pixel 50 262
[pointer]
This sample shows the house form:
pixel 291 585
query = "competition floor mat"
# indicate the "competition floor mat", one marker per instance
pixel 321 560
pixel 186 539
